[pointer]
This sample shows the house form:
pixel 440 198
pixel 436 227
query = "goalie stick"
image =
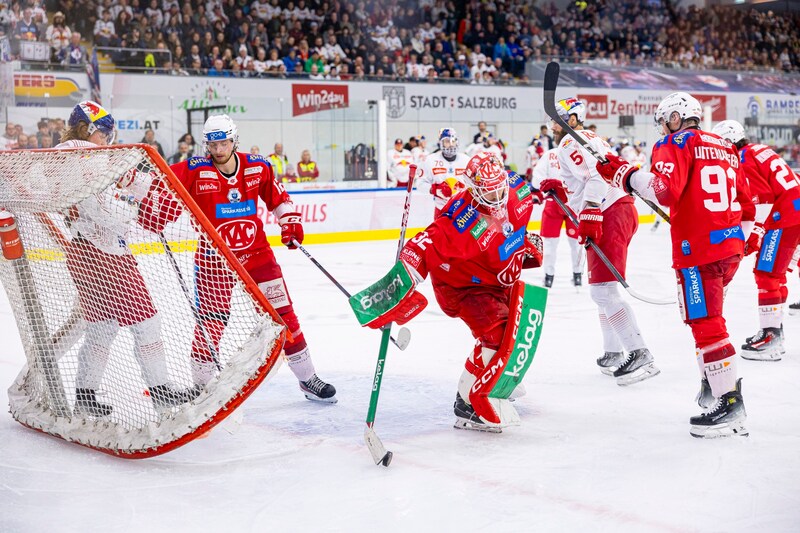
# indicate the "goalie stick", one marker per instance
pixel 380 454
pixel 550 84
pixel 403 334
pixel 605 260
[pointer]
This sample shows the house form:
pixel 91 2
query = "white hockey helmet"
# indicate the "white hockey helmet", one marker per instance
pixel 686 105
pixel 487 181
pixel 730 130
pixel 571 106
pixel 448 142
pixel 220 128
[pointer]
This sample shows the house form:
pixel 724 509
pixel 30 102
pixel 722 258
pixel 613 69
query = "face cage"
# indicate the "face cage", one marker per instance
pixel 497 206
pixel 449 151
pixel 109 135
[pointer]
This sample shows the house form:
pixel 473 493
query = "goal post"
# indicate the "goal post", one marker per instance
pixel 123 290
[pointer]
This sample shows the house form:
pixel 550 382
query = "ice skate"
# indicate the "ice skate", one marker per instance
pixel 165 396
pixel 548 280
pixel 766 345
pixel 705 398
pixel 636 367
pixel 609 362
pixel 467 419
pixel 725 418
pixel 794 309
pixel 577 279
pixel 86 404
pixel 317 390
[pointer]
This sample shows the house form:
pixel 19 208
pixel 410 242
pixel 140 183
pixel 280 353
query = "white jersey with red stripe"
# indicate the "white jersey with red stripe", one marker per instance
pixel 580 175
pixel 547 168
pixel 104 217
pixel 437 169
pixel 398 162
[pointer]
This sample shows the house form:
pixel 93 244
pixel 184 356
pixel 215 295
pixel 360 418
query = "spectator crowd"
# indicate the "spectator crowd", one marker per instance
pixel 475 41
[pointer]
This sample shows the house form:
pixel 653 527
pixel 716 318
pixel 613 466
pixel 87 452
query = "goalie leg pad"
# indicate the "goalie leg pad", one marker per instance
pixel 149 350
pixel 509 364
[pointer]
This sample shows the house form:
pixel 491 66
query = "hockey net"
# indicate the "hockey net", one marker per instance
pixel 106 298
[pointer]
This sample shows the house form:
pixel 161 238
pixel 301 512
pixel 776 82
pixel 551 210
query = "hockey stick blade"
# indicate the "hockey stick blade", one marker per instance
pixel 380 454
pixel 550 85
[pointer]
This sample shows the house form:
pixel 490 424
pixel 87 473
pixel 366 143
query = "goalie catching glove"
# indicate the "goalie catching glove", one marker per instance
pixel 392 298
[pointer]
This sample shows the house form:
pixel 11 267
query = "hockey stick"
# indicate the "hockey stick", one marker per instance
pixel 403 335
pixel 606 261
pixel 550 84
pixel 380 454
pixel 195 310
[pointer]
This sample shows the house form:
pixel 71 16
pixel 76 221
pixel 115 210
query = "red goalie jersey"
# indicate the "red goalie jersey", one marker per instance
pixel 772 182
pixel 697 175
pixel 231 202
pixel 465 247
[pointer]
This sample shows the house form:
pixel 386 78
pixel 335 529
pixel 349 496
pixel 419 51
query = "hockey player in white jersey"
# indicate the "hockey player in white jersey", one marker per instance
pixel 443 170
pixel 533 153
pixel 398 160
pixel 420 151
pixel 608 217
pixel 121 298
pixel 553 218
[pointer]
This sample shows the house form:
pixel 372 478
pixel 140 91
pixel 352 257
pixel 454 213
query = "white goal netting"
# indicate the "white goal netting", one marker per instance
pixel 140 329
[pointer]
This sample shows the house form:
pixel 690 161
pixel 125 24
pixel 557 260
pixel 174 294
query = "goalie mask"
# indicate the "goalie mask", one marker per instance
pixel 448 142
pixel 487 181
pixel 95 117
pixel 220 128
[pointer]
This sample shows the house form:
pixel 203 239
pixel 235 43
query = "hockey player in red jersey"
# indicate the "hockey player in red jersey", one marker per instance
pixel 607 217
pixel 697 174
pixel 227 186
pixel 776 192
pixel 474 252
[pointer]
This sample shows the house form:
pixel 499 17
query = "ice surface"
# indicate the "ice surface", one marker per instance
pixel 589 456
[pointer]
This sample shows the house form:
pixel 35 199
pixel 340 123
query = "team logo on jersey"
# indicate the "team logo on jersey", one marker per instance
pixel 679 139
pixel 208 174
pixel 465 218
pixel 238 234
pixel 234 196
pixel 252 170
pixel 195 162
pixel 206 186
pixel 513 243
pixel 510 273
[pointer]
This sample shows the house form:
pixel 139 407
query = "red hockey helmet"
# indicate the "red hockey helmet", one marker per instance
pixel 487 180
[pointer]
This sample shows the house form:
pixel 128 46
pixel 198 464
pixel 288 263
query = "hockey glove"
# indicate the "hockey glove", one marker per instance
pixel 617 172
pixel 753 244
pixel 442 190
pixel 554 187
pixel 590 225
pixel 291 229
pixel 533 251
pixel 537 195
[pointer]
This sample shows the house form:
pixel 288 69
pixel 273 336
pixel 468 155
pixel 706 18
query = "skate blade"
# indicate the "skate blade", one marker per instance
pixel 313 398
pixel 640 374
pixel 466 424
pixel 764 355
pixel 732 429
pixel 608 370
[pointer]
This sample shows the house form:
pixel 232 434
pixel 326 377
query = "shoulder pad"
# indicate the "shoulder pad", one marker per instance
pixel 453 206
pixel 195 162
pixel 681 138
pixel 253 158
